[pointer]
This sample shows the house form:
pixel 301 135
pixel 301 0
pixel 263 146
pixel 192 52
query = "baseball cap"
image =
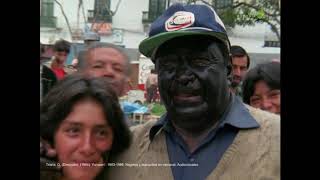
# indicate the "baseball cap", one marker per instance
pixel 184 20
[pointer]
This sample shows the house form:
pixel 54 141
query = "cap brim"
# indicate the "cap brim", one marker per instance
pixel 148 45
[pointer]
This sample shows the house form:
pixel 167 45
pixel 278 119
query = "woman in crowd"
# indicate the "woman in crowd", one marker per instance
pixel 82 121
pixel 261 87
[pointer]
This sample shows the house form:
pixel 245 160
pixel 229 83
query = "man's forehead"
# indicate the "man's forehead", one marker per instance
pixel 106 53
pixel 240 60
pixel 105 50
pixel 193 43
pixel 190 51
pixel 185 52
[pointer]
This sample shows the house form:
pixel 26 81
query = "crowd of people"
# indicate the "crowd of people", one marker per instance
pixel 222 119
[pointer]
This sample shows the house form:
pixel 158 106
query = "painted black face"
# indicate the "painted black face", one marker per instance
pixel 192 76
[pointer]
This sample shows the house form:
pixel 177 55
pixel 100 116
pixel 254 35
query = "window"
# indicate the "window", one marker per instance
pixel 156 8
pixel 47 18
pixel 47 8
pixel 271 43
pixel 177 1
pixel 101 12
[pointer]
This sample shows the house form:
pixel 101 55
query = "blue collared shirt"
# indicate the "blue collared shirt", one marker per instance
pixel 203 160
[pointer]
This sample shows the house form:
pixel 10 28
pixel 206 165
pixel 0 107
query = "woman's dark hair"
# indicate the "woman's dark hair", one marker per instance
pixel 59 101
pixel 267 72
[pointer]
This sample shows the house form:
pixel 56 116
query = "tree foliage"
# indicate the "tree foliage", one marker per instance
pixel 248 13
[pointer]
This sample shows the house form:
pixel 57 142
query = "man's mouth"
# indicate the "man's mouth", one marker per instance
pixel 236 78
pixel 187 97
pixel 188 94
pixel 113 83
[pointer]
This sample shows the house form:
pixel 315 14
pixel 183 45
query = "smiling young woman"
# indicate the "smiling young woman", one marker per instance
pixel 82 121
pixel 261 87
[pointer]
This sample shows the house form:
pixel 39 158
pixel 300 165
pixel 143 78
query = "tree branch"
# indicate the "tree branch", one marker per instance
pixel 274 29
pixel 112 13
pixel 237 4
pixel 117 7
pixel 78 12
pixel 83 13
pixel 65 17
pixel 205 2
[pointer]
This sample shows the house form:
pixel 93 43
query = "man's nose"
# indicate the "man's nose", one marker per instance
pixel 108 71
pixel 184 75
pixel 236 71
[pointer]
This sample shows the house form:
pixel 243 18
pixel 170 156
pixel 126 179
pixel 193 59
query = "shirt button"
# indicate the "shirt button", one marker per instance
pixel 191 159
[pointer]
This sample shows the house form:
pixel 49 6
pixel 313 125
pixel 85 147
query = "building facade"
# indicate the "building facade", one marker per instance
pixel 127 22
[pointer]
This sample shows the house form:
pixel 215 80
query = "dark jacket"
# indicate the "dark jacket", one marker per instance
pixel 48 79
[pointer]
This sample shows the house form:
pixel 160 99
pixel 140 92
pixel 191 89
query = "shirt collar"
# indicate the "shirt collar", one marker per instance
pixel 237 115
pixel 157 126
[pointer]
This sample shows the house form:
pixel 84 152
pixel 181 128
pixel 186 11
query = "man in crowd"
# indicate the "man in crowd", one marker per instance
pixel 107 60
pixel 61 49
pixel 240 61
pixel 152 86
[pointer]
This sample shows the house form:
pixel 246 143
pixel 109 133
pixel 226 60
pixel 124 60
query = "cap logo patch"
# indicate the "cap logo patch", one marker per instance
pixel 179 20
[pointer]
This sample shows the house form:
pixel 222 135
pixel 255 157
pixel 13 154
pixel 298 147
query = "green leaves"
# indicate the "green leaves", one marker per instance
pixel 247 13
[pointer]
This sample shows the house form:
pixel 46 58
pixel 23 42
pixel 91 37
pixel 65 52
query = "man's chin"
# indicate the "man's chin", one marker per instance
pixel 189 109
pixel 235 83
pixel 192 118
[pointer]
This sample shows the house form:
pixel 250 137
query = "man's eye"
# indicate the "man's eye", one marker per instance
pixel 168 66
pixel 118 69
pixel 243 68
pixel 168 60
pixel 200 62
pixel 168 63
pixel 97 66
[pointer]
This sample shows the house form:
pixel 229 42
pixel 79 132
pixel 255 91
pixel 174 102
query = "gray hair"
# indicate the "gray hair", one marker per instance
pixel 82 55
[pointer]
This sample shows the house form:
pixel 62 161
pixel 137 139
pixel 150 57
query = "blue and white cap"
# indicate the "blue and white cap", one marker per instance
pixel 179 20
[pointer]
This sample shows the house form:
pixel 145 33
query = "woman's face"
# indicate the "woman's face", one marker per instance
pixel 81 139
pixel 265 98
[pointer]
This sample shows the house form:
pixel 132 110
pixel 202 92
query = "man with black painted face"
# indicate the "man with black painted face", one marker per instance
pixel 192 82
pixel 207 132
